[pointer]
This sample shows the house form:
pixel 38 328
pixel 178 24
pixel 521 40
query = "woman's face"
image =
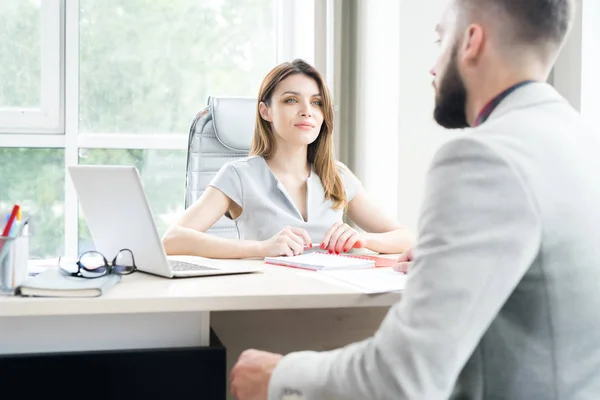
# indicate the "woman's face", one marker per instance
pixel 296 110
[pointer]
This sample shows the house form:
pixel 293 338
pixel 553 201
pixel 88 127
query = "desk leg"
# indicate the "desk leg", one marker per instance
pixel 284 331
pixel 41 334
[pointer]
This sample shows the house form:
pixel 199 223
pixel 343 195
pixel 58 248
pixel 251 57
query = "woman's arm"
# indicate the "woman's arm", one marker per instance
pixel 187 235
pixel 382 233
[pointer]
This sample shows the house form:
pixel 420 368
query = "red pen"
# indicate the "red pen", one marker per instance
pixel 9 224
pixel 11 219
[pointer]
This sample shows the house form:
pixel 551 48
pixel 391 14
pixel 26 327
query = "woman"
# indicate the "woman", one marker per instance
pixel 290 193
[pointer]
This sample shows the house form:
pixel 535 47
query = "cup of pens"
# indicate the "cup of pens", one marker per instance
pixel 14 252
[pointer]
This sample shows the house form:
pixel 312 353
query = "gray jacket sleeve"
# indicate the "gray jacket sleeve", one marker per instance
pixel 479 231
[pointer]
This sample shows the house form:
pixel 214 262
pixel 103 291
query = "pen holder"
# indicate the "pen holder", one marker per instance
pixel 14 255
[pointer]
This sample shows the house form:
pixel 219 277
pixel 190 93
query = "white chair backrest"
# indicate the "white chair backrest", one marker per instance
pixel 220 133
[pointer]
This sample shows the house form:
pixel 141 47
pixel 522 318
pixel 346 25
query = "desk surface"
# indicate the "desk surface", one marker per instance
pixel 273 288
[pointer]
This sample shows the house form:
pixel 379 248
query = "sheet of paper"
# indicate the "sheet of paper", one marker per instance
pixel 368 281
pixel 35 267
pixel 327 279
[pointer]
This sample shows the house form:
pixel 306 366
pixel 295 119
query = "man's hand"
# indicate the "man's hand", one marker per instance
pixel 251 374
pixel 404 261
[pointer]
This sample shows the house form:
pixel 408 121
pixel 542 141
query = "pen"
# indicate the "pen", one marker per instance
pixel 17 219
pixel 11 219
pixel 7 229
pixel 23 227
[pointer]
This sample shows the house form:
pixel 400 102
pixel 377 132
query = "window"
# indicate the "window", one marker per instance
pixel 20 21
pixel 114 82
pixel 162 173
pixel 29 39
pixel 34 178
pixel 148 66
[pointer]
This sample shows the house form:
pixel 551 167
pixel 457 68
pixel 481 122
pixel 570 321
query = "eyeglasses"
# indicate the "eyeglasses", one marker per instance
pixel 93 264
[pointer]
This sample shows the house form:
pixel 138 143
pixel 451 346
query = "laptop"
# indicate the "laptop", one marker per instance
pixel 115 207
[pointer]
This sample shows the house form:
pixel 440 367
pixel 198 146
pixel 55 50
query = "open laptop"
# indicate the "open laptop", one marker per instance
pixel 118 215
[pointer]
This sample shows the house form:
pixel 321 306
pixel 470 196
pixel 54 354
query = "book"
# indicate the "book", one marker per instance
pixel 322 261
pixel 54 282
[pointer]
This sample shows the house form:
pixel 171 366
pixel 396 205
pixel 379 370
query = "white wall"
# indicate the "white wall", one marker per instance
pixel 418 136
pixel 377 100
pixel 568 68
pixel 576 71
pixel 395 134
pixel 590 50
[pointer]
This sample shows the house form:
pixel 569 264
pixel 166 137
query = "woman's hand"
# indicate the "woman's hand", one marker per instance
pixel 289 241
pixel 404 261
pixel 341 238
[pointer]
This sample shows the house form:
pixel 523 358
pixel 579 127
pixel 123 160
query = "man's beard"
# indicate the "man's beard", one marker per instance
pixel 451 99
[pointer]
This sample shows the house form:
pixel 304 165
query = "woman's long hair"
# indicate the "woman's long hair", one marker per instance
pixel 320 152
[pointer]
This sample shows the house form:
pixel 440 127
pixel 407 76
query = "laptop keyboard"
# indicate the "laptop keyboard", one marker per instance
pixel 181 266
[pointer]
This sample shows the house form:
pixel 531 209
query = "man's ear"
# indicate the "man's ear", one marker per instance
pixel 265 112
pixel 472 44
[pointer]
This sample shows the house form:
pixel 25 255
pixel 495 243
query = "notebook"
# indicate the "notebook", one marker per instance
pixel 322 261
pixel 54 282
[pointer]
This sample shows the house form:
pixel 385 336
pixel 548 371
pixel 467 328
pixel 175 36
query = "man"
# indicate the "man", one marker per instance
pixel 503 299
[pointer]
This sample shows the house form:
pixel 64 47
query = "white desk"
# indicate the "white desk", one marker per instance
pixel 278 309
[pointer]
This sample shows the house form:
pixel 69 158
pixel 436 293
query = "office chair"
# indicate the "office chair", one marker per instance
pixel 221 132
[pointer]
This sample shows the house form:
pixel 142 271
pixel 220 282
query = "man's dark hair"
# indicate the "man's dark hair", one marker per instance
pixel 532 21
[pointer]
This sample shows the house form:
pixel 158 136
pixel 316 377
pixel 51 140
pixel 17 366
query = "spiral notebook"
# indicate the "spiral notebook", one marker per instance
pixel 322 261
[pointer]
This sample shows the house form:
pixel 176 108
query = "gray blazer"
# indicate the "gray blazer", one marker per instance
pixel 503 301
